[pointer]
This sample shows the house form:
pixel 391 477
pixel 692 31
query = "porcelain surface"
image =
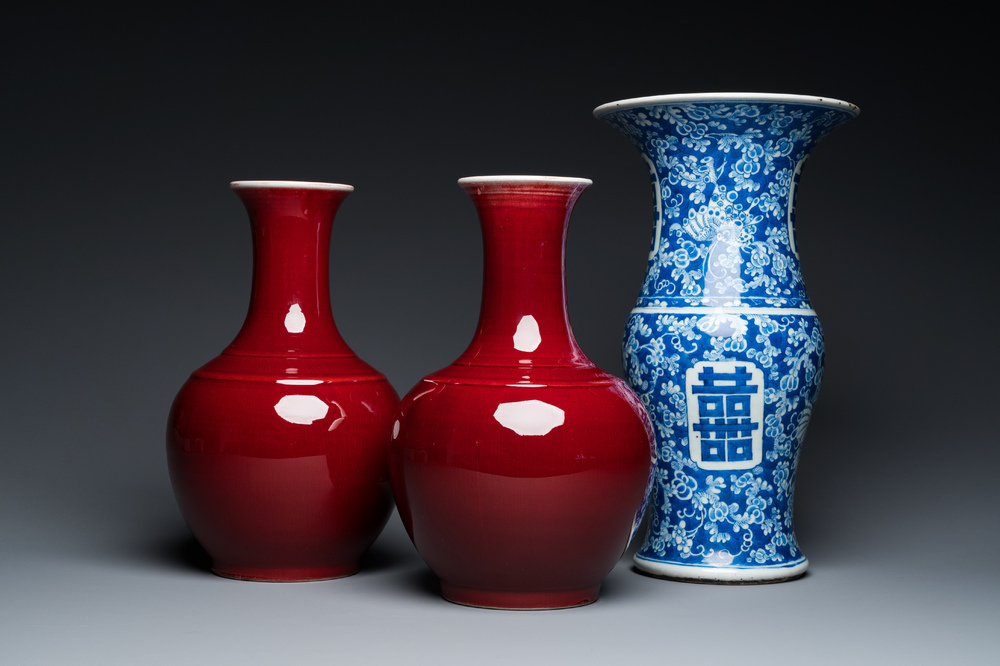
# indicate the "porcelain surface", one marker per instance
pixel 723 345
pixel 277 448
pixel 521 470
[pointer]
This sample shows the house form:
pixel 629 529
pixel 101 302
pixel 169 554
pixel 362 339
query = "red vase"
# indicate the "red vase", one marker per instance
pixel 520 470
pixel 277 448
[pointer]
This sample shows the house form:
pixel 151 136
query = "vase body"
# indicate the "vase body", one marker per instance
pixel 723 346
pixel 277 448
pixel 521 470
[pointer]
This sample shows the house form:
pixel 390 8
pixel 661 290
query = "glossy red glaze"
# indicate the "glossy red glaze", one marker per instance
pixel 277 448
pixel 520 470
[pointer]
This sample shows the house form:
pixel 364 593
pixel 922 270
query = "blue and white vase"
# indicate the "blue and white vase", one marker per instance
pixel 723 346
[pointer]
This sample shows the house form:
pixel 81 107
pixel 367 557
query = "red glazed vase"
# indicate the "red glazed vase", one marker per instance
pixel 277 448
pixel 521 470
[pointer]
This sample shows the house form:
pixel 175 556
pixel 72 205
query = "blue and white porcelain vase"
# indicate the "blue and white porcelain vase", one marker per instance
pixel 723 346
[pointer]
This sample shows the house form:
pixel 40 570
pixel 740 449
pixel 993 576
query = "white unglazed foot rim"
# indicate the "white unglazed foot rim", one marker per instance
pixel 731 575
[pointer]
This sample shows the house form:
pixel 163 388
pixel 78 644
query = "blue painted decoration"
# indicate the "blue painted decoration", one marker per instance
pixel 723 345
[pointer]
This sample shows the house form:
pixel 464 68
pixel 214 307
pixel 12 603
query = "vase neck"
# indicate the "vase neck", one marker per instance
pixel 289 312
pixel 724 174
pixel 523 319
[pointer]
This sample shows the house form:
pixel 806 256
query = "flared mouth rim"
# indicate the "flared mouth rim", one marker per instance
pixel 290 184
pixel 524 180
pixel 766 98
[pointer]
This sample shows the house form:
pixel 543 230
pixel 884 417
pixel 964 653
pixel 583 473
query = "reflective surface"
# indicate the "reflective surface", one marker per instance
pixel 277 448
pixel 520 471
pixel 723 345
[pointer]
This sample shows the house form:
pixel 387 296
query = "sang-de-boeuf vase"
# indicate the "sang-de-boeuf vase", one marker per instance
pixel 723 345
pixel 277 448
pixel 521 469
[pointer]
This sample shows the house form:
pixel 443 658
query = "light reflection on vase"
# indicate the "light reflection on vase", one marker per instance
pixel 723 345
pixel 529 417
pixel 520 470
pixel 277 448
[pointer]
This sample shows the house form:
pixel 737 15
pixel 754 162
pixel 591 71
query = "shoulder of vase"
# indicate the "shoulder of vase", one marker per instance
pixel 291 370
pixel 523 376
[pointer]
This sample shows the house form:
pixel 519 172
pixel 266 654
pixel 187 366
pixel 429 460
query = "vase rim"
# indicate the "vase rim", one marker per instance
pixel 290 184
pixel 682 98
pixel 493 180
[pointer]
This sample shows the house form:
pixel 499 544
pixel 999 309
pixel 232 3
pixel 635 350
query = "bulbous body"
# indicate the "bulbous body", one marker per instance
pixel 521 470
pixel 277 449
pixel 723 345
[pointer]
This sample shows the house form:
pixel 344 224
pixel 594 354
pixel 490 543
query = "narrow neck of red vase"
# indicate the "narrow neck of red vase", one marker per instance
pixel 523 319
pixel 289 311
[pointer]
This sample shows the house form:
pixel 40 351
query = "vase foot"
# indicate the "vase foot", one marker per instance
pixel 692 573
pixel 547 600
pixel 285 574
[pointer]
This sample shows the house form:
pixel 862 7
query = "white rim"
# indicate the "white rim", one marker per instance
pixel 721 574
pixel 481 180
pixel 296 184
pixel 656 100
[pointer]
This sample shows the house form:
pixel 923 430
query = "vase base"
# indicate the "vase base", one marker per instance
pixel 690 573
pixel 285 574
pixel 548 600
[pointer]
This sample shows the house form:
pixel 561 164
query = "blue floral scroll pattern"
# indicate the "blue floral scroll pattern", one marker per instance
pixel 725 173
pixel 723 286
pixel 724 517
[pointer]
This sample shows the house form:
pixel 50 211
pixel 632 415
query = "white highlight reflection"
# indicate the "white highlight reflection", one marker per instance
pixel 340 419
pixel 300 382
pixel 301 409
pixel 295 321
pixel 529 417
pixel 527 337
pixel 721 558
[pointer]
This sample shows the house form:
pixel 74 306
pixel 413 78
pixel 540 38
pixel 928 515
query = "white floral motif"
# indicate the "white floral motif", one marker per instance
pixel 725 173
pixel 751 512
pixel 727 165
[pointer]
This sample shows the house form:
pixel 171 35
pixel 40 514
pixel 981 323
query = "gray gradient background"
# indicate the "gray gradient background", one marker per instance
pixel 125 264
